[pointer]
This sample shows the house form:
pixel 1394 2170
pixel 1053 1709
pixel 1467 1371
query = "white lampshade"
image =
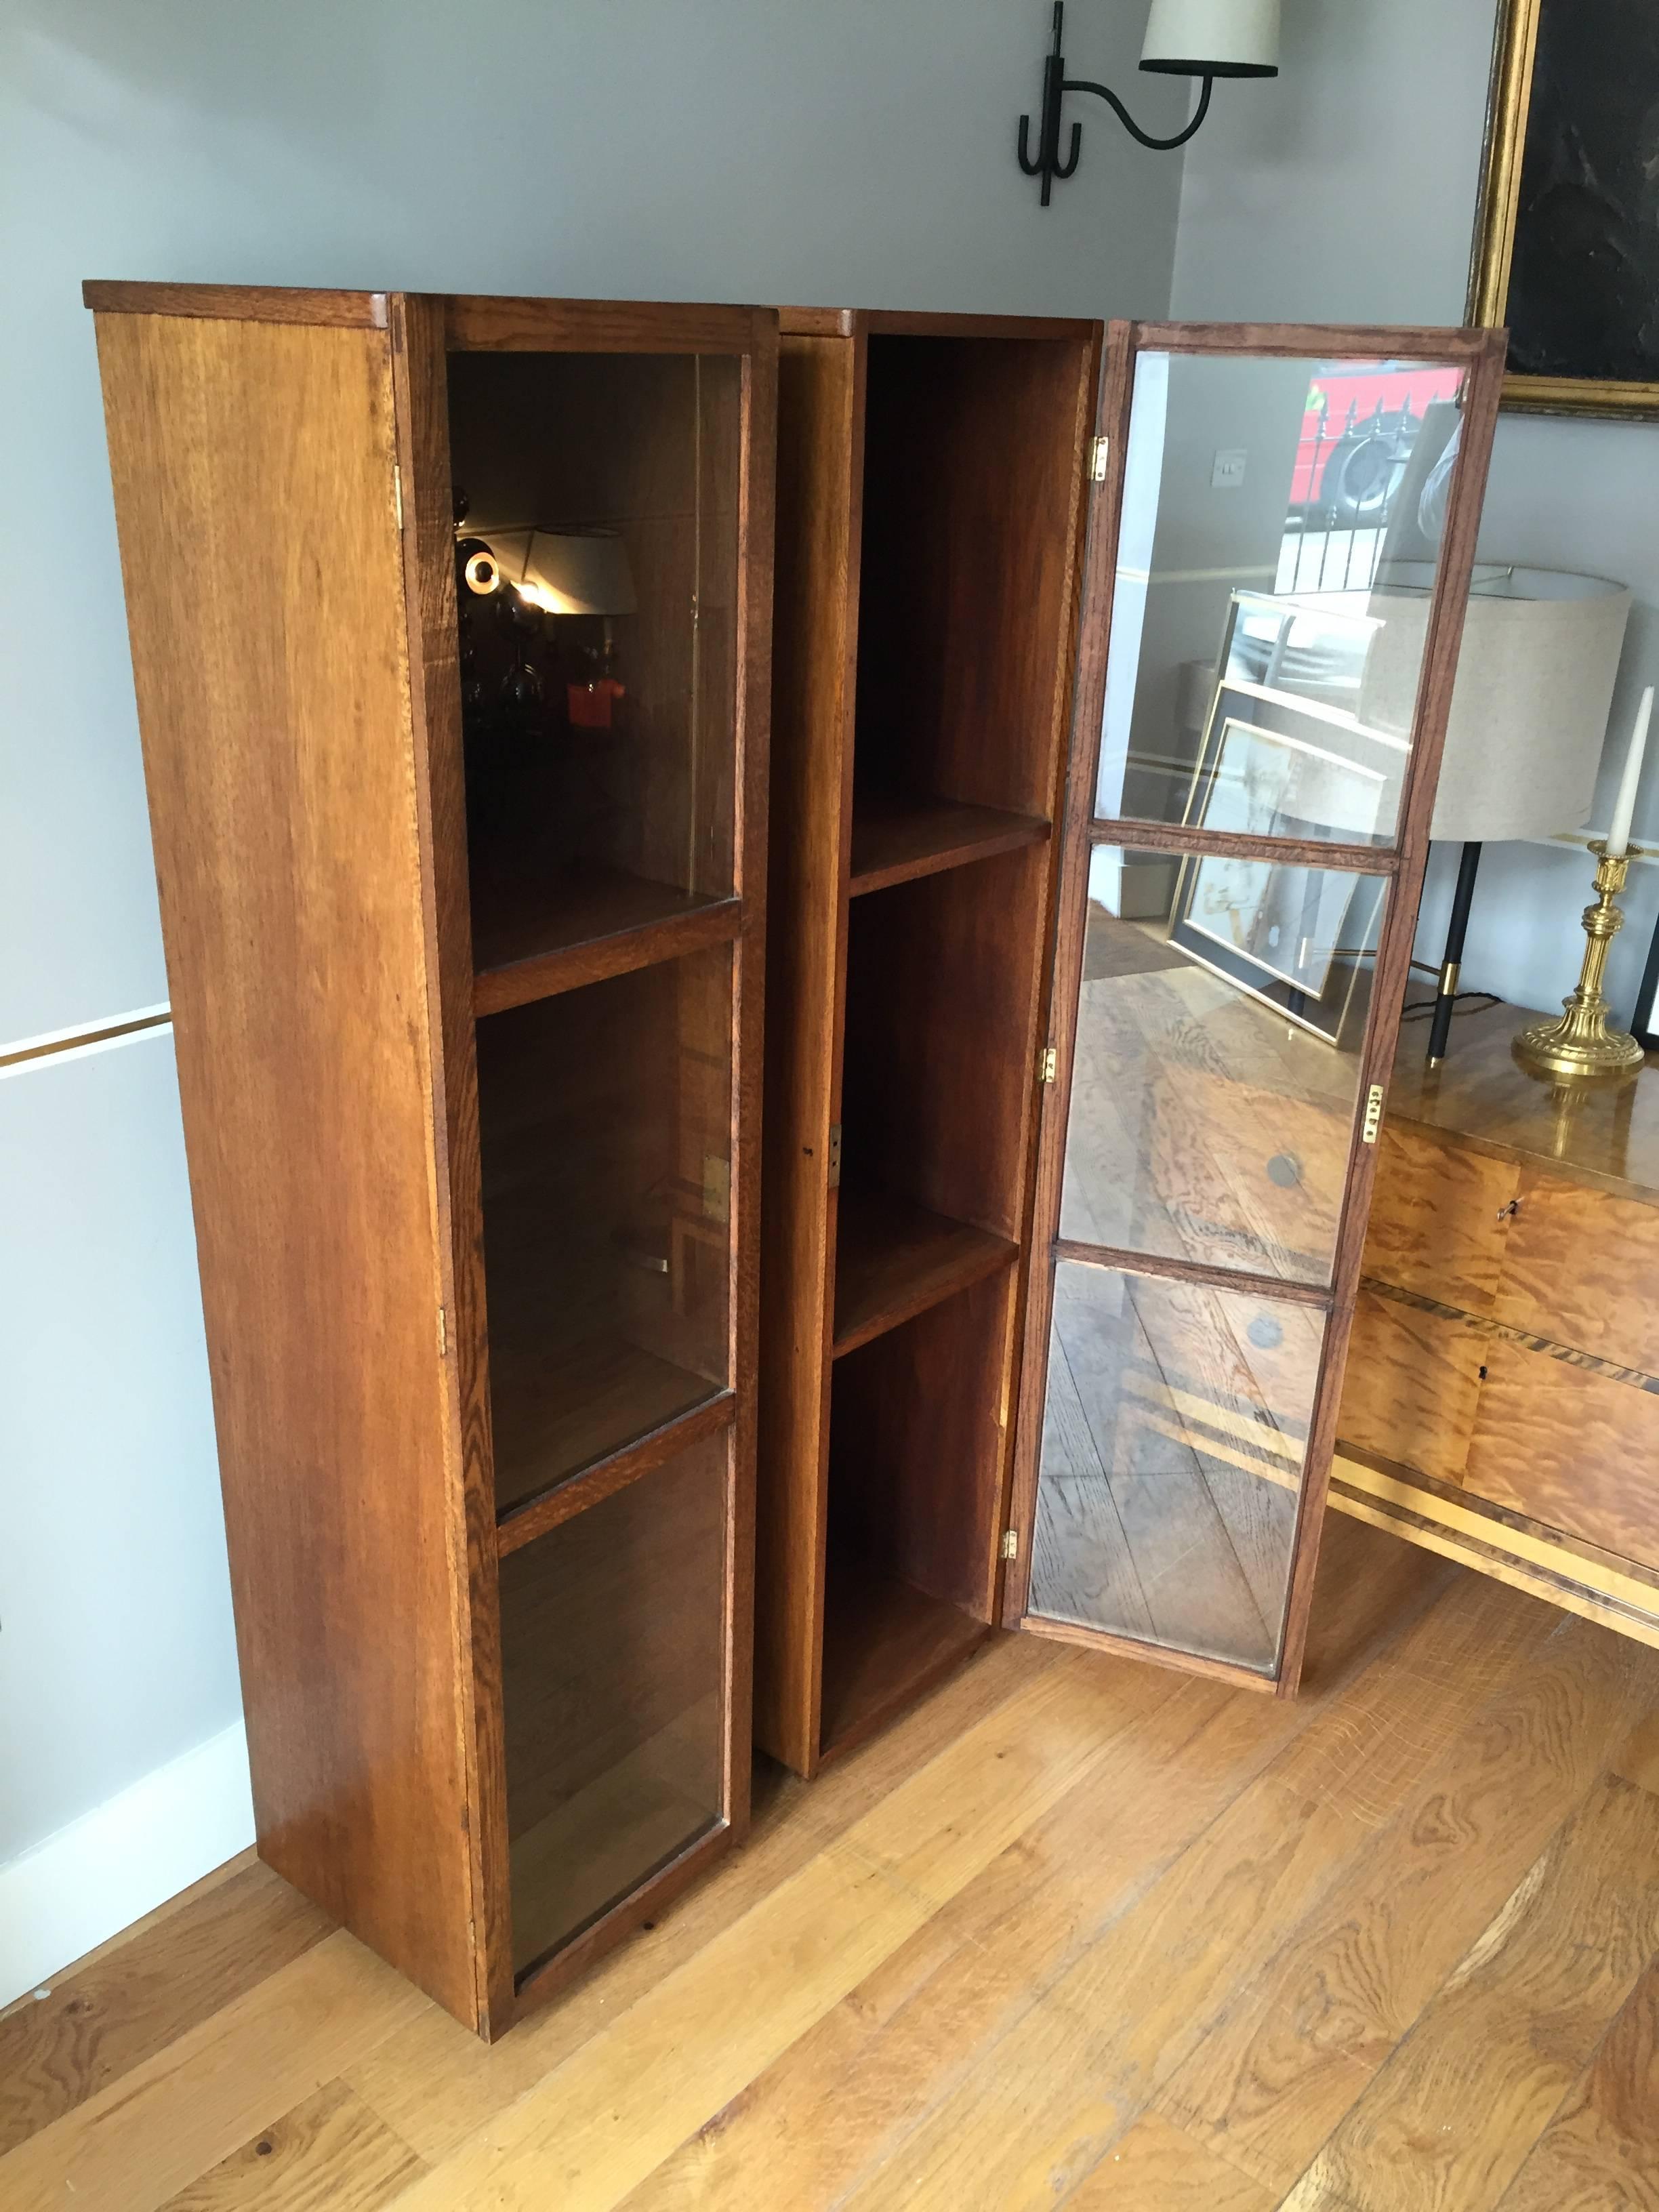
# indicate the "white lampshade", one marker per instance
pixel 562 572
pixel 1212 38
pixel 1529 703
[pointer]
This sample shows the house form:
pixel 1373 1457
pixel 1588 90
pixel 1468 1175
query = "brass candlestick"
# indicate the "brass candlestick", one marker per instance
pixel 1580 1043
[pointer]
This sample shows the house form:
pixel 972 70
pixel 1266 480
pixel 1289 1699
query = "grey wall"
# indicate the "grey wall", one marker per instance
pixel 116 1651
pixel 746 150
pixel 1344 192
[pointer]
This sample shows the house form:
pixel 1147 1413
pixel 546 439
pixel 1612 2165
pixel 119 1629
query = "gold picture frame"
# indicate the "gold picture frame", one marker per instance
pixel 1515 55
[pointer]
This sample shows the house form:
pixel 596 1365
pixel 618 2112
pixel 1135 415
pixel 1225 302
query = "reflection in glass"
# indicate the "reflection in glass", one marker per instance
pixel 1215 1074
pixel 1174 1436
pixel 613 1636
pixel 596 592
pixel 605 1121
pixel 1278 518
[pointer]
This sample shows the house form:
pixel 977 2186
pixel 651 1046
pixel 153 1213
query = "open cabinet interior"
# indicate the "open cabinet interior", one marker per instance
pixel 921 895
pixel 969 445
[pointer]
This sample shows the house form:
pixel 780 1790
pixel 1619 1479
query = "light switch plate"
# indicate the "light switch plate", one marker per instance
pixel 1228 472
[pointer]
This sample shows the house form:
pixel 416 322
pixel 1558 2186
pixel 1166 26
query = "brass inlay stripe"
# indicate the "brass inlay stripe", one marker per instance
pixel 84 1036
pixel 1534 1581
pixel 1483 1325
pixel 1497 1535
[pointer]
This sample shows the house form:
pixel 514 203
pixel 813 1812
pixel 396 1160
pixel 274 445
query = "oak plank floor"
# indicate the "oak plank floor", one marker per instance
pixel 1075 1932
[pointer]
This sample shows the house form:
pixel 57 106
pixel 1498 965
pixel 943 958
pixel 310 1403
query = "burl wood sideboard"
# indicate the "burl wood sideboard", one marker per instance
pixel 1502 1398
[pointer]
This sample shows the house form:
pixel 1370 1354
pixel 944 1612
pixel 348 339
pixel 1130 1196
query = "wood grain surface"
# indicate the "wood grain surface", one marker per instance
pixel 820 470
pixel 893 1259
pixel 894 840
pixel 254 303
pixel 279 757
pixel 1601 2147
pixel 329 2151
pixel 420 371
pixel 60 2047
pixel 1439 1221
pixel 1413 1387
pixel 1583 1267
pixel 502 323
pixel 1605 1136
pixel 1570 1448
pixel 1073 1932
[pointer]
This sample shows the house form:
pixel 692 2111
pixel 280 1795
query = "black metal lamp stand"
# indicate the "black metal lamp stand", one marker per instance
pixel 1452 959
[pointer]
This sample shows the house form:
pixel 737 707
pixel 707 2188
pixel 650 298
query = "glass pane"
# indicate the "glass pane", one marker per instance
pixel 596 586
pixel 605 1129
pixel 1277 548
pixel 1219 1021
pixel 1173 1441
pixel 613 1638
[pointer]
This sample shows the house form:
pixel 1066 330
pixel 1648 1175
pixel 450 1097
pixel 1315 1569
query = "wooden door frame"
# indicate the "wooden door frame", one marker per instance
pixel 1481 355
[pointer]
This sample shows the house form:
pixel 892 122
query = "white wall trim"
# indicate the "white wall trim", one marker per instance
pixel 78 1887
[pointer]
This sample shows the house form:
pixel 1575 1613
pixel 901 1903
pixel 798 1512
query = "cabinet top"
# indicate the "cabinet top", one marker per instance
pixel 1603 1135
pixel 472 321
pixel 927 323
pixel 241 303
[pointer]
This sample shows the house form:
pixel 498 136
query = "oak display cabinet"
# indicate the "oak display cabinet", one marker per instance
pixel 462 882
pixel 1067 1159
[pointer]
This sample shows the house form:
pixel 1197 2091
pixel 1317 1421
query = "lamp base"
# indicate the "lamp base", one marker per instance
pixel 1579 1045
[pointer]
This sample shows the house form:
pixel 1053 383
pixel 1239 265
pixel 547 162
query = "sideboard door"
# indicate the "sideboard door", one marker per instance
pixel 1280 551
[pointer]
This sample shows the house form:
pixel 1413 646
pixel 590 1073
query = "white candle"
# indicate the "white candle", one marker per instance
pixel 1624 808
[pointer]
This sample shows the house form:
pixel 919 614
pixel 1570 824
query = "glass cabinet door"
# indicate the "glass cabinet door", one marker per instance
pixel 592 495
pixel 1279 555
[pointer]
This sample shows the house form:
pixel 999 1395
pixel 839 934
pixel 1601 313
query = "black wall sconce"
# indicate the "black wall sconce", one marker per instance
pixel 1205 39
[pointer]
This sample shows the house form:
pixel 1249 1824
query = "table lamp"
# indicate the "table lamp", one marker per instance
pixel 1528 714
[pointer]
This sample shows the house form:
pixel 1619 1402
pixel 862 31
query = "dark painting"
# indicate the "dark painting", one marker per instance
pixel 1584 291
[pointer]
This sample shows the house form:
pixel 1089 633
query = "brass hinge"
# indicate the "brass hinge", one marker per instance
pixel 1048 1059
pixel 1373 1121
pixel 1099 452
pixel 1010 1543
pixel 835 1156
pixel 443 1332
pixel 397 492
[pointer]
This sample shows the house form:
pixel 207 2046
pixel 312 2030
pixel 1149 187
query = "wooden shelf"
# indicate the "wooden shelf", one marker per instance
pixel 894 1259
pixel 897 837
pixel 533 937
pixel 885 1643
pixel 586 1397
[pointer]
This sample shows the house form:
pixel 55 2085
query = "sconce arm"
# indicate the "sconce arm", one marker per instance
pixel 1158 145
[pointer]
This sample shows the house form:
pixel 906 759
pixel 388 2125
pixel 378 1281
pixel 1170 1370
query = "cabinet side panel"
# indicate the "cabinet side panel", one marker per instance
pixel 254 490
pixel 819 430
pixel 420 381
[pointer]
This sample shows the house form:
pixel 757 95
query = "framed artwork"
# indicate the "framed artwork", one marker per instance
pixel 1566 248
pixel 1295 935
pixel 1644 1027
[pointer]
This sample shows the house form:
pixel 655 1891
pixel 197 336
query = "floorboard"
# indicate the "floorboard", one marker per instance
pixel 1074 1932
